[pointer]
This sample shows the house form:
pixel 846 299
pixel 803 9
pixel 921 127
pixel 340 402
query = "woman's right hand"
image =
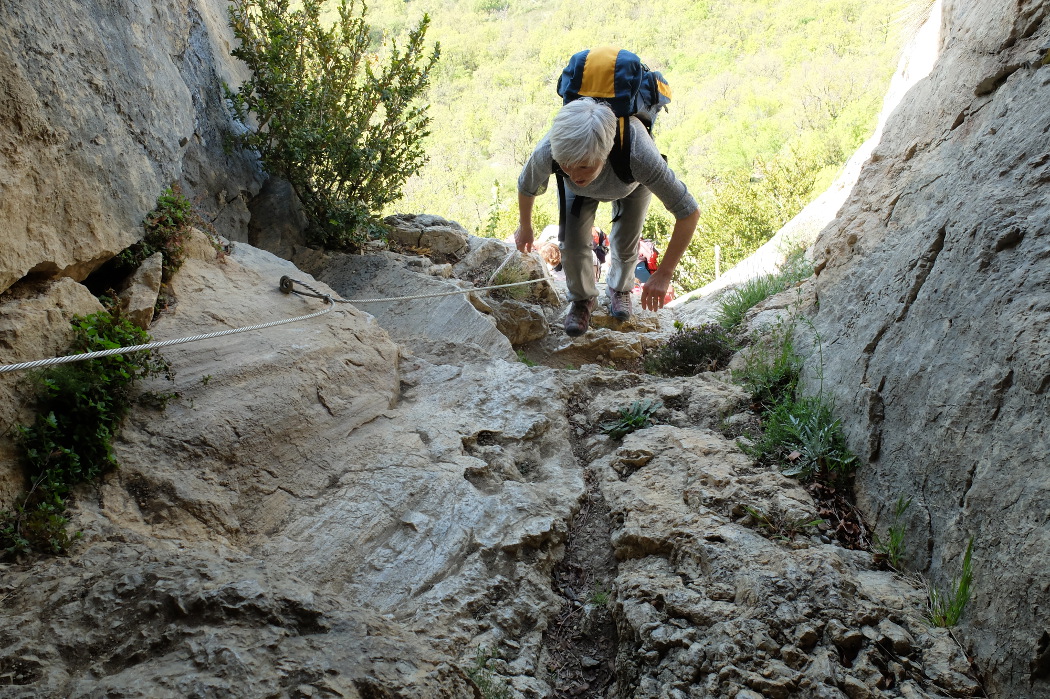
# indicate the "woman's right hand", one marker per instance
pixel 524 238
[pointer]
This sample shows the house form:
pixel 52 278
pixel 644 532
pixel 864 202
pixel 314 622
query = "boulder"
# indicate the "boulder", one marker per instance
pixel 139 297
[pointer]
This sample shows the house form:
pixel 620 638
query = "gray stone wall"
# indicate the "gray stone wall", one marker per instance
pixel 934 312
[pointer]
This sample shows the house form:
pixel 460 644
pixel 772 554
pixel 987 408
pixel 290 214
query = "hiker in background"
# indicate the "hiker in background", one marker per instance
pixel 601 251
pixel 648 262
pixel 551 254
pixel 579 149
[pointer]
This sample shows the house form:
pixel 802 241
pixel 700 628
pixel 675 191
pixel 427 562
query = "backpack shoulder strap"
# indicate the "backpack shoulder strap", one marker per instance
pixel 620 156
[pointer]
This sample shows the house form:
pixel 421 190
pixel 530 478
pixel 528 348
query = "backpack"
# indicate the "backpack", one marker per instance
pixel 620 79
pixel 648 254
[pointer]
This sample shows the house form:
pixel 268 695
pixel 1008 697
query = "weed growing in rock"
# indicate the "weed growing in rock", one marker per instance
pixel 891 549
pixel 735 303
pixel 511 274
pixel 803 436
pixel 946 608
pixel 638 416
pixel 523 358
pixel 777 525
pixel 343 126
pixel 600 597
pixel 772 367
pixel 80 407
pixel 690 351
pixel 487 682
pixel 166 229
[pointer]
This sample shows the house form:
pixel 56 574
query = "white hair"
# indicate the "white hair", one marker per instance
pixel 583 133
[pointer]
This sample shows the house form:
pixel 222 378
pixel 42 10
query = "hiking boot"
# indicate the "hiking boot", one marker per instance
pixel 579 317
pixel 619 304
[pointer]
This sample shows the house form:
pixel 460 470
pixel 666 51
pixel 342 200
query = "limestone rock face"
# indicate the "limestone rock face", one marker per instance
pixel 934 309
pixel 314 499
pixel 107 103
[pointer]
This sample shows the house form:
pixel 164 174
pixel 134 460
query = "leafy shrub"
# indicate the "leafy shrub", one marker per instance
pixel 80 407
pixel 166 229
pixel 690 351
pixel 946 608
pixel 343 129
pixel 638 416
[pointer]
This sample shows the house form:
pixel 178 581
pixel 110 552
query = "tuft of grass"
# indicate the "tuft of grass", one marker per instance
pixel 735 303
pixel 691 351
pixel 512 273
pixel 487 682
pixel 946 608
pixel 891 549
pixel 638 416
pixel 600 597
pixel 772 367
pixel 777 525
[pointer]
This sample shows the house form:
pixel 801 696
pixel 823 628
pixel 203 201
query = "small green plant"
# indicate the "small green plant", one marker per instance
pixel 523 358
pixel 891 549
pixel 638 416
pixel 772 367
pixel 344 126
pixel 690 351
pixel 481 674
pixel 777 525
pixel 511 274
pixel 733 304
pixel 806 440
pixel 946 608
pixel 600 597
pixel 80 407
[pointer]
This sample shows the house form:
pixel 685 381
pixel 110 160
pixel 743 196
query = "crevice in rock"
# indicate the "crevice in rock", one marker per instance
pixel 581 640
pixel 923 268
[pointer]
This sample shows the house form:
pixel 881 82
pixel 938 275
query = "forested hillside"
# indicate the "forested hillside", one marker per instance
pixel 770 99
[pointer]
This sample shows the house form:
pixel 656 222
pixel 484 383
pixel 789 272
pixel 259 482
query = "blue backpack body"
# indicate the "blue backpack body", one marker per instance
pixel 620 79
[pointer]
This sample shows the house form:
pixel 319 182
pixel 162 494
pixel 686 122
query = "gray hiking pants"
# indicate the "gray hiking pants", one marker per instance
pixel 576 241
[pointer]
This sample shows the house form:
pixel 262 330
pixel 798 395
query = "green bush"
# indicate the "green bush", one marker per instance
pixel 80 407
pixel 345 128
pixel 690 351
pixel 166 229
